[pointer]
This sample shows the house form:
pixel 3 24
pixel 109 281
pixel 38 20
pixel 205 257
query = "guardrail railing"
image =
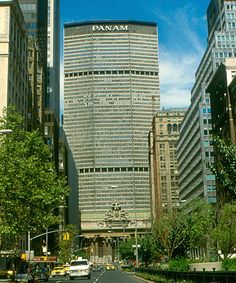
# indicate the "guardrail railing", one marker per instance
pixel 194 276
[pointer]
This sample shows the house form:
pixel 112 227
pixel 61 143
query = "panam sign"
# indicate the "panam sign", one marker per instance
pixel 107 28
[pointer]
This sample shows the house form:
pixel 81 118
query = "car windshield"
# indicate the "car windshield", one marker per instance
pixel 58 268
pixel 79 262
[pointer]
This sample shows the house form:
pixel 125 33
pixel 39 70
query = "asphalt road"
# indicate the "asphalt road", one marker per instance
pixel 111 276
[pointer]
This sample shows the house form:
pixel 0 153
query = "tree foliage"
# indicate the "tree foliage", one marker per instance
pixel 29 184
pixel 147 250
pixel 170 234
pixel 225 232
pixel 181 231
pixel 126 250
pixel 224 166
pixel 200 221
pixel 66 247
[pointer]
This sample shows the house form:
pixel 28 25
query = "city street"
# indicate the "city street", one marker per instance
pixel 114 276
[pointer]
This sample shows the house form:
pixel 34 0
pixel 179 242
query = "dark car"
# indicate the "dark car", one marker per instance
pixel 40 274
pixel 23 278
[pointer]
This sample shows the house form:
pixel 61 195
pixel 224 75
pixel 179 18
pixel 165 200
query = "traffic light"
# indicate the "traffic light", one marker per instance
pixel 23 257
pixel 66 236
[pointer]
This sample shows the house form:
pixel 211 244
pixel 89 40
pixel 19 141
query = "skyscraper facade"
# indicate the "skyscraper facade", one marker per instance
pixel 195 149
pixel 13 58
pixel 163 161
pixel 52 100
pixel 35 14
pixel 111 95
pixel 42 19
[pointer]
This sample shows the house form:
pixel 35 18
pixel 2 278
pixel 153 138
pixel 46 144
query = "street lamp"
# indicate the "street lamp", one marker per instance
pixel 60 228
pixel 80 243
pixel 42 234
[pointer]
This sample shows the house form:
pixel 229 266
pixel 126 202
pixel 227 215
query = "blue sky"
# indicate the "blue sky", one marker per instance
pixel 182 36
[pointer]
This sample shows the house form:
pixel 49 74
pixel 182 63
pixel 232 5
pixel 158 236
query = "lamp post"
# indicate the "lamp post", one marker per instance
pixel 46 234
pixel 136 242
pixel 80 243
pixel 136 228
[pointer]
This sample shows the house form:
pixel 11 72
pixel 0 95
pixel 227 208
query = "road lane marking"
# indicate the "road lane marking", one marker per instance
pixel 98 278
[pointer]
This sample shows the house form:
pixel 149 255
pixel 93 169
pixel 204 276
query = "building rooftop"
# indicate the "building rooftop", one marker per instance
pixel 102 22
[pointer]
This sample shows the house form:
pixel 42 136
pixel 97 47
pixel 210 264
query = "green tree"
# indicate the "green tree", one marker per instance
pixel 169 233
pixel 126 250
pixel 179 232
pixel 200 217
pixel 224 168
pixel 225 231
pixel 29 184
pixel 66 246
pixel 147 250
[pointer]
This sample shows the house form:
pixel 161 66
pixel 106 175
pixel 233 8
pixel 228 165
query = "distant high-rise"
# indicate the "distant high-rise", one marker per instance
pixel 52 100
pixel 13 58
pixel 163 161
pixel 195 149
pixel 42 19
pixel 35 14
pixel 111 95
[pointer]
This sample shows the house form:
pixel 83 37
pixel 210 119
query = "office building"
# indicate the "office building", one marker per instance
pixel 13 58
pixel 43 24
pixel 218 88
pixel 194 148
pixel 52 100
pixel 111 95
pixel 35 15
pixel 222 114
pixel 163 161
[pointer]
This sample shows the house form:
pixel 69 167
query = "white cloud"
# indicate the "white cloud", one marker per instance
pixel 180 52
pixel 176 77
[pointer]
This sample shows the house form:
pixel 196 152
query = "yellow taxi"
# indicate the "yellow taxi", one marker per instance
pixel 110 266
pixel 58 271
pixel 66 267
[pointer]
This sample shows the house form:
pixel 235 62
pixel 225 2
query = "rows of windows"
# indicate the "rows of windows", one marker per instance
pixel 206 110
pixel 111 72
pixel 207 121
pixel 231 24
pixel 111 37
pixel 116 169
pixel 231 7
pixel 230 37
pixel 225 54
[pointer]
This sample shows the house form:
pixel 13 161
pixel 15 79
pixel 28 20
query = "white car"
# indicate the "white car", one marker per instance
pixel 80 268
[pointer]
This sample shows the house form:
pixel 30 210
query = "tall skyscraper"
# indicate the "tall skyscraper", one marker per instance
pixel 42 19
pixel 111 95
pixel 163 161
pixel 52 100
pixel 194 148
pixel 13 58
pixel 35 14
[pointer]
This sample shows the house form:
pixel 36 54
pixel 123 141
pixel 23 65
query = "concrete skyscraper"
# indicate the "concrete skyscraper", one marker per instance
pixel 42 19
pixel 195 149
pixel 52 100
pixel 14 88
pixel 35 14
pixel 111 95
pixel 163 161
